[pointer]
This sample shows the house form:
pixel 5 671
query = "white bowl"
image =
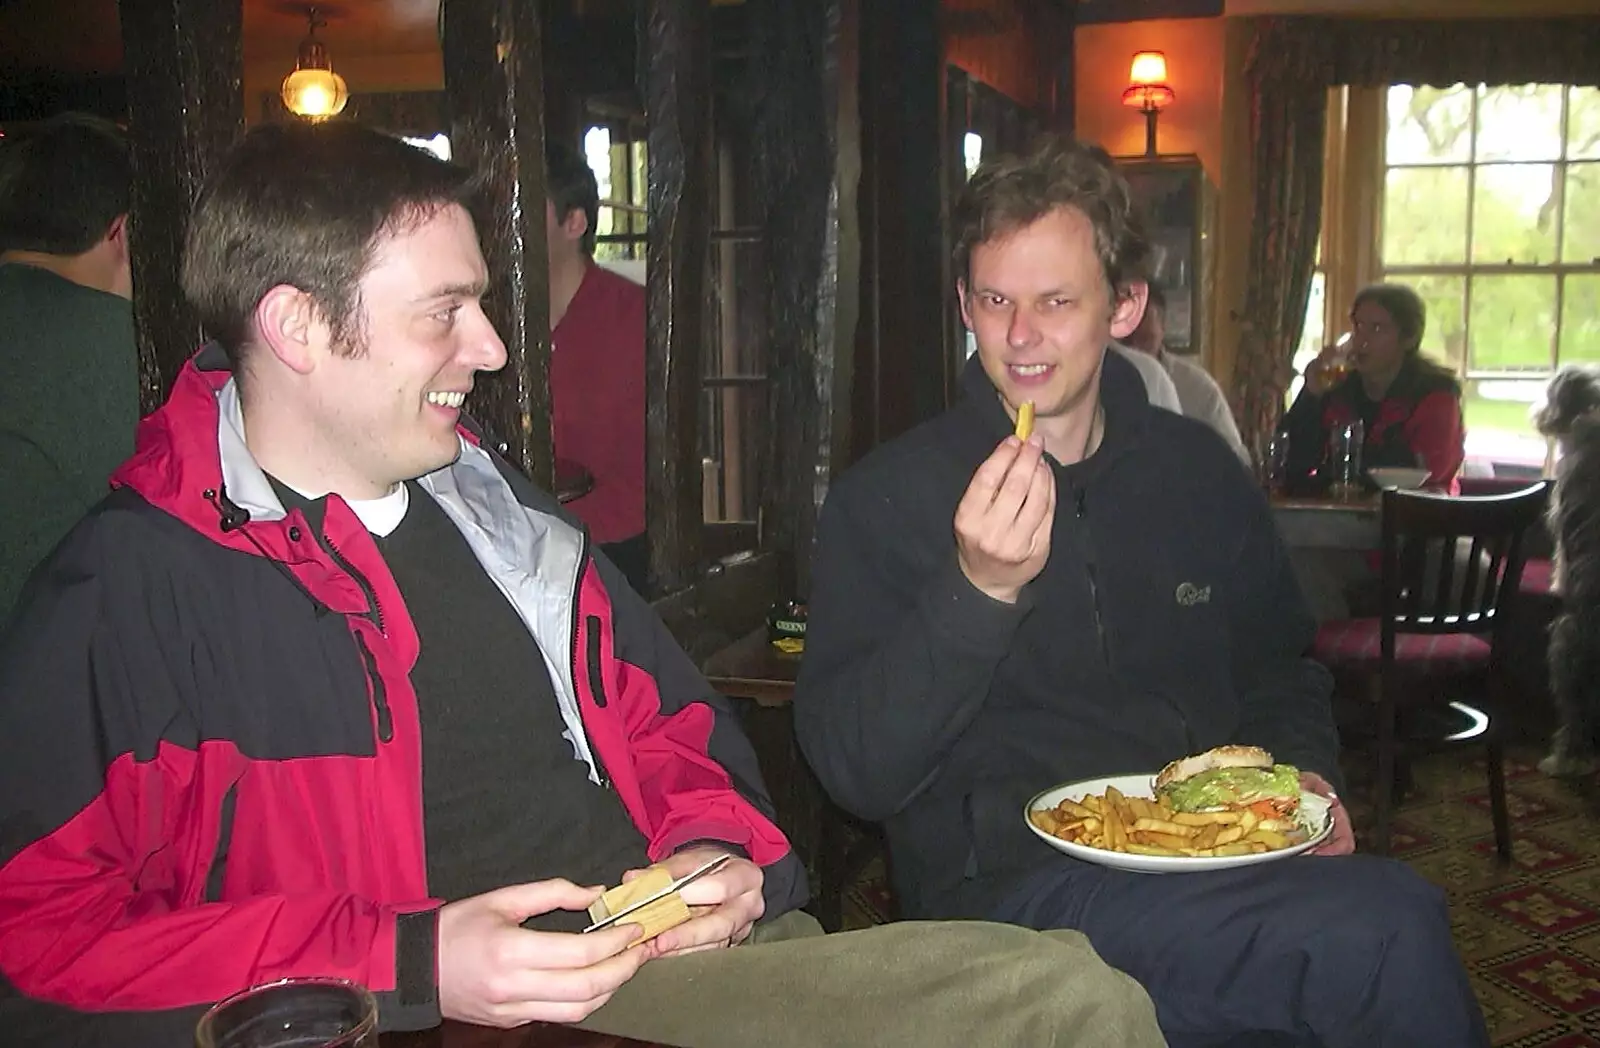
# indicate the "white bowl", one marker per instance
pixel 1403 477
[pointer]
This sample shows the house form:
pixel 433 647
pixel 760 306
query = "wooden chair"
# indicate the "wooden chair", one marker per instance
pixel 1450 572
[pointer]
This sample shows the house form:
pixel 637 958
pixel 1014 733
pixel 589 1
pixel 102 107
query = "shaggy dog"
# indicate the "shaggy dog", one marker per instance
pixel 1571 415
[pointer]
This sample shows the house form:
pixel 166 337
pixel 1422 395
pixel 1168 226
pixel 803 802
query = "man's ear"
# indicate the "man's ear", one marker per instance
pixel 575 225
pixel 117 232
pixel 961 298
pixel 289 324
pixel 1128 308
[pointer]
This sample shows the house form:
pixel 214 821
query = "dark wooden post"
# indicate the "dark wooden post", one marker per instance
pixel 494 93
pixel 1056 23
pixel 675 81
pixel 796 67
pixel 904 360
pixel 185 73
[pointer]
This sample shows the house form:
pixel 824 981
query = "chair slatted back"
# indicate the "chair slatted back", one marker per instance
pixel 1450 564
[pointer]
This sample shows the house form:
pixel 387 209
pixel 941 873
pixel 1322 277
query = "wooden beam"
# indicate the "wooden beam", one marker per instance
pixel 904 358
pixel 676 82
pixel 185 73
pixel 494 95
pixel 795 74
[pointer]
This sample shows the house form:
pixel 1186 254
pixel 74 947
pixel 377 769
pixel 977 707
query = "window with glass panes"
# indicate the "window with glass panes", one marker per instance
pixel 1491 210
pixel 614 147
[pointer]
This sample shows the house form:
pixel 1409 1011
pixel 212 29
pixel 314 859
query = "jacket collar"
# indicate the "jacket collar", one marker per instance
pixel 1122 394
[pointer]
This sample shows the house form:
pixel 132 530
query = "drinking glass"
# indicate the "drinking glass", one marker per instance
pixel 293 1013
pixel 1275 463
pixel 1338 365
pixel 1345 445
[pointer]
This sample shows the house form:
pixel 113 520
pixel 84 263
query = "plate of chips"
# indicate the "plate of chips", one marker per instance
pixel 1119 822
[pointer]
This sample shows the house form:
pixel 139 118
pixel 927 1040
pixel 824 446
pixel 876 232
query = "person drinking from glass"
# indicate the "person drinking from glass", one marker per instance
pixel 1409 406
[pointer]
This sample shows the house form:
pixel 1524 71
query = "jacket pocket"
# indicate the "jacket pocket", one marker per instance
pixel 997 839
pixel 597 684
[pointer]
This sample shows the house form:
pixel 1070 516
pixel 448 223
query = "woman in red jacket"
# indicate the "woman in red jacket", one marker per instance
pixel 1410 406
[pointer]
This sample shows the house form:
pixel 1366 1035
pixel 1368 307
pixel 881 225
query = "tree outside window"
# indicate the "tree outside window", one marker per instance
pixel 1491 210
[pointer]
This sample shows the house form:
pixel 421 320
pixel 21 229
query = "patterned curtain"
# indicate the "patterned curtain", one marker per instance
pixel 1288 117
pixel 1293 62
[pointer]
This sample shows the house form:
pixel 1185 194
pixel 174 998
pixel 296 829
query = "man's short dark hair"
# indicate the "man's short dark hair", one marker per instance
pixel 1012 192
pixel 306 205
pixel 62 184
pixel 570 184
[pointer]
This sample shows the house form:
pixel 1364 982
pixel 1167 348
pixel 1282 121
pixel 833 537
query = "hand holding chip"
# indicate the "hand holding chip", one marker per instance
pixel 1003 522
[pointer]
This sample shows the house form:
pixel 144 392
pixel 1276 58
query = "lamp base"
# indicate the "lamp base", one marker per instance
pixel 1150 115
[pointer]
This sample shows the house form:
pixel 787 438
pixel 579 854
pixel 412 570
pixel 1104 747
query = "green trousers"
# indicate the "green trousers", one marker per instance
pixel 917 984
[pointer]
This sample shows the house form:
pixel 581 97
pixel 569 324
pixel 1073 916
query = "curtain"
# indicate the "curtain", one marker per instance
pixel 1293 61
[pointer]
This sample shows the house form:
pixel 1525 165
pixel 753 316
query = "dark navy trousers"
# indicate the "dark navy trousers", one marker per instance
pixel 1308 951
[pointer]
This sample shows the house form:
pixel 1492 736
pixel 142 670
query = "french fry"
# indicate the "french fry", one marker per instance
pixel 1154 849
pixel 1045 819
pixel 1025 420
pixel 1181 844
pixel 1236 848
pixel 1272 840
pixel 1205 818
pixel 1116 836
pixel 1073 808
pixel 1162 826
pixel 1229 835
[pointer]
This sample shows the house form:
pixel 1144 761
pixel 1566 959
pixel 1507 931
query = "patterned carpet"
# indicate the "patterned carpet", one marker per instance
pixel 1529 932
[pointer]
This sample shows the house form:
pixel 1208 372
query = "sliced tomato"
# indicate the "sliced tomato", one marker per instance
pixel 1265 809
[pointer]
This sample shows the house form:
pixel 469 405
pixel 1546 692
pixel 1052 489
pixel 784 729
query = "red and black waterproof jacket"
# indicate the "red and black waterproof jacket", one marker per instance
pixel 210 759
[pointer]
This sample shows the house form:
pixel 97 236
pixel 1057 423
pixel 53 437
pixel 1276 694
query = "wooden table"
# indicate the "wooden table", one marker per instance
pixel 1327 523
pixel 536 1035
pixel 751 668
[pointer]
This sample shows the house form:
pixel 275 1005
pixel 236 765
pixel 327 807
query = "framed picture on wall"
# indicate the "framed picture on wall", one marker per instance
pixel 1090 11
pixel 1177 201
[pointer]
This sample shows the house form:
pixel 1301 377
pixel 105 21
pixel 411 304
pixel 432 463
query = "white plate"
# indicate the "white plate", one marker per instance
pixel 1314 813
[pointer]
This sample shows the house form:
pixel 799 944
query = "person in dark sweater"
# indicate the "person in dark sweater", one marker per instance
pixel 991 617
pixel 69 370
pixel 325 688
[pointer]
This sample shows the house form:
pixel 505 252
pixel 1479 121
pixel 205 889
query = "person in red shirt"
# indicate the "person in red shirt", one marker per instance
pixel 596 367
pixel 1409 405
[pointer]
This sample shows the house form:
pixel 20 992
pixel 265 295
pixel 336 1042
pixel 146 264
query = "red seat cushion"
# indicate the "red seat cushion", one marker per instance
pixel 1353 644
pixel 1536 577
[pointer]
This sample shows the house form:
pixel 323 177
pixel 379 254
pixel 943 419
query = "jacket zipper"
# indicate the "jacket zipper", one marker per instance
pixel 1091 568
pixel 1082 505
pixel 591 664
pixel 373 614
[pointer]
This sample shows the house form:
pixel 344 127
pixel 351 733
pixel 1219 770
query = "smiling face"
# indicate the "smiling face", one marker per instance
pixel 386 412
pixel 1038 303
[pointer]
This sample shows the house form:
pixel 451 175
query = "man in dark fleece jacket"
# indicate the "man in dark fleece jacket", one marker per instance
pixel 1114 595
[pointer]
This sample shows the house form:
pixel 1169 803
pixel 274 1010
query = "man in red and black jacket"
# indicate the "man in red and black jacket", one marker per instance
pixel 323 689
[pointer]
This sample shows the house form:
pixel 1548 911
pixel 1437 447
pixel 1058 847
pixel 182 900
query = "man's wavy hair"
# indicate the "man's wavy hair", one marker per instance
pixel 1011 192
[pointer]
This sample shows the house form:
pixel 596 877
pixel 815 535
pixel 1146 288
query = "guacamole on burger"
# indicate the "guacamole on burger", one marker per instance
pixel 1230 777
